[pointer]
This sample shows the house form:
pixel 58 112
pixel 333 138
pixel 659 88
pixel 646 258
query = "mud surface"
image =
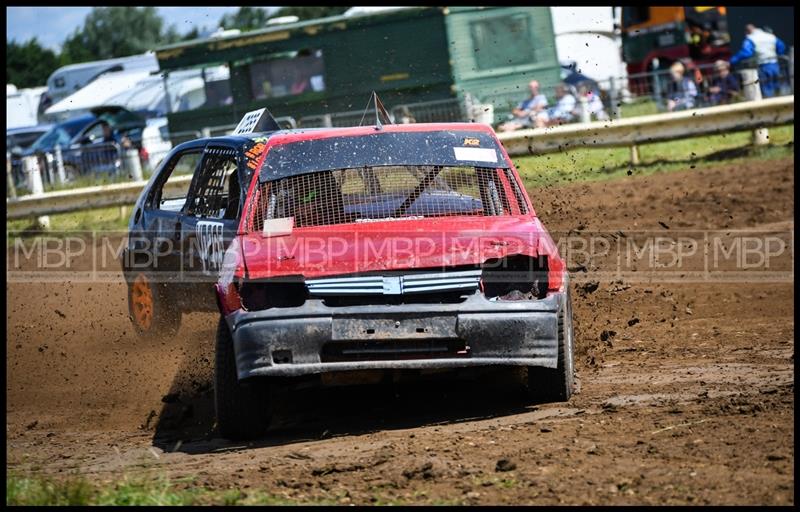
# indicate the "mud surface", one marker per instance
pixel 686 389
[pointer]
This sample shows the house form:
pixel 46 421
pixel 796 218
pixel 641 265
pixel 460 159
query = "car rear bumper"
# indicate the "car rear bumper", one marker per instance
pixel 315 338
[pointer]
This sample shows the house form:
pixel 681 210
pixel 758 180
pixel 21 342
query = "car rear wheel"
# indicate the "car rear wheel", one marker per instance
pixel 150 310
pixel 556 384
pixel 243 408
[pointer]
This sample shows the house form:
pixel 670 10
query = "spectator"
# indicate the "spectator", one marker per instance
pixel 681 91
pixel 561 113
pixel 593 103
pixel 112 135
pixel 406 117
pixel 765 47
pixel 724 87
pixel 527 110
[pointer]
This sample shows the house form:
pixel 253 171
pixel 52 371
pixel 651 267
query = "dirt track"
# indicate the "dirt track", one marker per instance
pixel 694 403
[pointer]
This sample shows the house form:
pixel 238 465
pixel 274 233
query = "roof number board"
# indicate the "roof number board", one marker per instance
pixel 249 121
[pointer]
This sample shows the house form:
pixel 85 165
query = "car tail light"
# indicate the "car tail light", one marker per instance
pixel 144 156
pixel 229 300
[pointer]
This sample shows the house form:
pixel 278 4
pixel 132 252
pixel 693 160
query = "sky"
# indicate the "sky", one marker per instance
pixel 51 25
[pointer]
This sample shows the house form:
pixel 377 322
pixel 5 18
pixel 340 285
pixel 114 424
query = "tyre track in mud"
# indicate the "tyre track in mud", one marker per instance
pixel 686 389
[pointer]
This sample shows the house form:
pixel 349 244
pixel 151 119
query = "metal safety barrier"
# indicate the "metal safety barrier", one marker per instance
pixel 652 128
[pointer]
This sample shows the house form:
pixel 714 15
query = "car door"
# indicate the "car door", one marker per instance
pixel 210 220
pixel 162 215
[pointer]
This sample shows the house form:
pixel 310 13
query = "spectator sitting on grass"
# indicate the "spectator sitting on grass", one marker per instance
pixel 526 110
pixel 561 113
pixel 681 91
pixel 724 87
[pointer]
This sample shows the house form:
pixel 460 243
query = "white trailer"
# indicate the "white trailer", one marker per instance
pixel 67 80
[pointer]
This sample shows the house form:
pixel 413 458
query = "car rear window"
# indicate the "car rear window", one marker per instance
pixel 370 194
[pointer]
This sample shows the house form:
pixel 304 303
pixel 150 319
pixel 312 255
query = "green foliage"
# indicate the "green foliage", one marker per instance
pixel 246 18
pixel 29 64
pixel 129 491
pixel 34 491
pixel 252 18
pixel 307 12
pixel 585 164
pixel 110 32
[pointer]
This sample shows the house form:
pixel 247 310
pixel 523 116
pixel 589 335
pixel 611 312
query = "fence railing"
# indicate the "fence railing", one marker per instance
pixel 648 93
pixel 436 111
pixel 100 161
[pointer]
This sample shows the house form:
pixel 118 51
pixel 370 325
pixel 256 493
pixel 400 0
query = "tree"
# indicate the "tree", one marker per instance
pixel 110 32
pixel 307 12
pixel 173 36
pixel 29 64
pixel 252 18
pixel 246 18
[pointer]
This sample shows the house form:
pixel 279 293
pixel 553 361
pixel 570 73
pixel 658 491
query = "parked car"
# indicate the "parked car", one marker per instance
pixel 397 247
pixel 59 134
pixel 92 144
pixel 155 142
pixel 20 139
pixel 97 148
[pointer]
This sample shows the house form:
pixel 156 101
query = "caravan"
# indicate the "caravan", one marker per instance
pixel 67 80
pixel 22 106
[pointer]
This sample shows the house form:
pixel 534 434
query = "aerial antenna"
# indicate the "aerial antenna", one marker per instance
pixel 380 111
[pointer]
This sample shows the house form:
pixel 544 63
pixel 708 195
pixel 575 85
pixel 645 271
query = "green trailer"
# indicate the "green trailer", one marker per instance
pixel 436 61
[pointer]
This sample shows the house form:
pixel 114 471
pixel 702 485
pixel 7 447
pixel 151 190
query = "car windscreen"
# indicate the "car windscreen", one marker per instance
pixel 60 135
pixel 23 139
pixel 450 148
pixel 57 135
pixel 381 193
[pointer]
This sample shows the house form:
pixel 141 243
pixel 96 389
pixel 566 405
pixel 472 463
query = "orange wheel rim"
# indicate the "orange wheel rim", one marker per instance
pixel 142 302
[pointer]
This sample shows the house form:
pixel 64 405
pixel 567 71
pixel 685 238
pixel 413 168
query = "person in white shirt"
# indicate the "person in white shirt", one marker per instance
pixel 526 110
pixel 765 47
pixel 681 91
pixel 561 113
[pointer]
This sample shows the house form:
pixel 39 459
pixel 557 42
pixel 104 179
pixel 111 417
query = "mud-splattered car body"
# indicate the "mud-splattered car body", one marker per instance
pixel 371 284
pixel 394 247
pixel 185 217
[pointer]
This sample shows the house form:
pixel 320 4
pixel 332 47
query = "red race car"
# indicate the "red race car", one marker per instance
pixel 384 247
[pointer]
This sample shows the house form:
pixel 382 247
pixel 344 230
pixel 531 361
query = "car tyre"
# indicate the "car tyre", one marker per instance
pixel 556 384
pixel 243 408
pixel 151 311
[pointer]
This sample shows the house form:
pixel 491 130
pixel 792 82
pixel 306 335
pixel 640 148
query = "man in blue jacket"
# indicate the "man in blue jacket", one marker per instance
pixel 765 47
